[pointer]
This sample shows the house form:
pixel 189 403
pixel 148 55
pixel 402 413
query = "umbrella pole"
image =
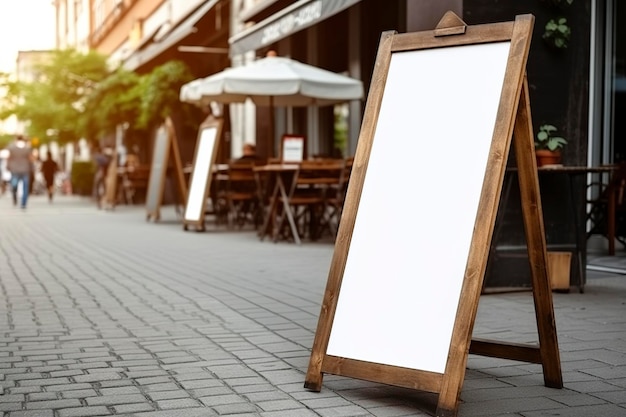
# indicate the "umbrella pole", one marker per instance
pixel 271 129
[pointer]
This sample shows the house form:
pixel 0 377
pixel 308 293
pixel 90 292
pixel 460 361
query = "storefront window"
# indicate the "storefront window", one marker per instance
pixel 619 80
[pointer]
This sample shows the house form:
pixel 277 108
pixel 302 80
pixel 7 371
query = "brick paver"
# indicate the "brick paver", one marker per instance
pixel 105 313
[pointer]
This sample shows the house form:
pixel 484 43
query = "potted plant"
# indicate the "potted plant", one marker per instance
pixel 548 146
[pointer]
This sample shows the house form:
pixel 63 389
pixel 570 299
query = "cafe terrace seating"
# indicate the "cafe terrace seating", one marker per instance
pixel 241 193
pixel 335 197
pixel 132 183
pixel 217 203
pixel 309 193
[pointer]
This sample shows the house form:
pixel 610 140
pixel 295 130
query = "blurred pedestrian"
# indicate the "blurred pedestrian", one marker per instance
pixel 20 164
pixel 49 168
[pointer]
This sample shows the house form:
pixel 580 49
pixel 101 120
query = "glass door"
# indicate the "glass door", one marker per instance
pixel 617 83
pixel 607 129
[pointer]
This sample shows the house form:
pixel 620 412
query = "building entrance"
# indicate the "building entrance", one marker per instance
pixel 618 81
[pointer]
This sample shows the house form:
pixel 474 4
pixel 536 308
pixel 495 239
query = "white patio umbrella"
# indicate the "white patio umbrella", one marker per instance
pixel 275 82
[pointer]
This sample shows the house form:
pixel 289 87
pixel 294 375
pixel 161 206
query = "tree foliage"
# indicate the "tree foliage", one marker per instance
pixel 77 96
pixel 6 139
pixel 54 100
pixel 116 100
pixel 160 92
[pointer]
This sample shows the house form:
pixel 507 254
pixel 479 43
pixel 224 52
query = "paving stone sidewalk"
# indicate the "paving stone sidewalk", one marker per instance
pixel 104 313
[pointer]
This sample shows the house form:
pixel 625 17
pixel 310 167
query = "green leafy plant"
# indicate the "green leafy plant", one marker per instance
pixel 113 101
pixel 557 33
pixel 54 99
pixel 546 138
pixel 159 93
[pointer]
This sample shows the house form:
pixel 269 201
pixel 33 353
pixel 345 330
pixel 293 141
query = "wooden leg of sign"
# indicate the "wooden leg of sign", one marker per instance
pixel 314 375
pixel 181 184
pixel 535 238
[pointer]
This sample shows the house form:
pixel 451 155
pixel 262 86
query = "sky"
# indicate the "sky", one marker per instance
pixel 25 25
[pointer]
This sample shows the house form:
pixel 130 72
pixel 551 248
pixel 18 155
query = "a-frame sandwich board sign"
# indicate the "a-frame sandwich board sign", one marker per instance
pixel 165 142
pixel 207 146
pixel 412 247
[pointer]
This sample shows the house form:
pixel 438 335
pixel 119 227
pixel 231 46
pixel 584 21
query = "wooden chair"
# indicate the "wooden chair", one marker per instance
pixel 308 196
pixel 134 184
pixel 242 195
pixel 217 205
pixel 335 197
pixel 607 206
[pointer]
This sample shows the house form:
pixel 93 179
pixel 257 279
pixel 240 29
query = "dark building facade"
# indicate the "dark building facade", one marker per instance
pixel 580 90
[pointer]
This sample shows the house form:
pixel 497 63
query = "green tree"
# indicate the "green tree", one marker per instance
pixel 77 96
pixel 55 99
pixel 8 95
pixel 6 139
pixel 159 90
pixel 116 100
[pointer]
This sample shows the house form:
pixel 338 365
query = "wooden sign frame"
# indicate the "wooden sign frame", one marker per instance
pixel 112 179
pixel 290 151
pixel 110 195
pixel 344 307
pixel 164 142
pixel 207 146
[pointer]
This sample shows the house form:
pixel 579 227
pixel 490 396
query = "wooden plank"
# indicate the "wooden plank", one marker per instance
pixel 506 350
pixel 535 240
pixel 488 209
pixel 473 35
pixel 110 181
pixel 393 375
pixel 178 164
pixel 314 377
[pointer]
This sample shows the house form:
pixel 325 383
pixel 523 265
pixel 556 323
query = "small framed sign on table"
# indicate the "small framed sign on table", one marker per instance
pixel 292 149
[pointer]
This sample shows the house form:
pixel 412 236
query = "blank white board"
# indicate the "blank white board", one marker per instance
pixel 200 176
pixel 158 170
pixel 413 228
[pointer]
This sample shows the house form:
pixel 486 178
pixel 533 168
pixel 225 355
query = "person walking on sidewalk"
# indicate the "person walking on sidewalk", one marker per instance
pixel 49 168
pixel 20 164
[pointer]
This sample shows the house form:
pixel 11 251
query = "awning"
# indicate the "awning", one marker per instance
pixel 149 38
pixel 177 34
pixel 292 19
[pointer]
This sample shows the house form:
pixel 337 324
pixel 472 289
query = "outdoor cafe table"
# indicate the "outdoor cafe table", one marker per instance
pixel 572 173
pixel 279 171
pixel 321 176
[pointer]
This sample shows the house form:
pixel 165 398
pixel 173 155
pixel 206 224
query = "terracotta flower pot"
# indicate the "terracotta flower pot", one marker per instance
pixel 547 157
